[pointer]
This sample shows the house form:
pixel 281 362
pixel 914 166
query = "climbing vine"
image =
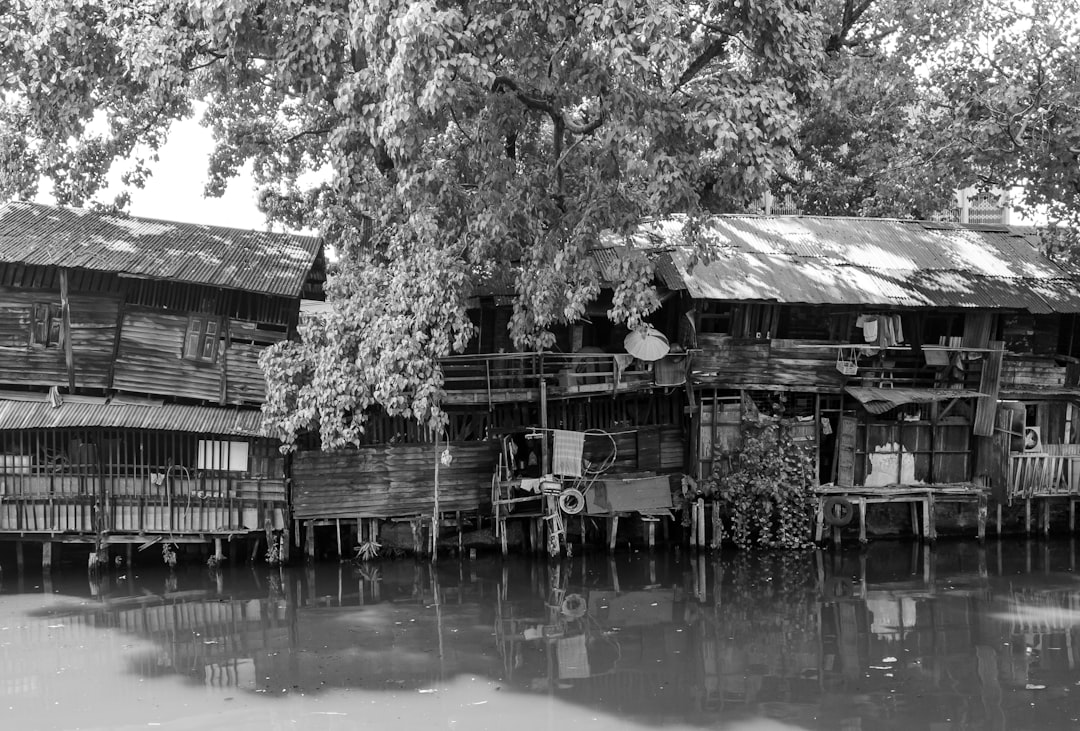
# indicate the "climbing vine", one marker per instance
pixel 764 488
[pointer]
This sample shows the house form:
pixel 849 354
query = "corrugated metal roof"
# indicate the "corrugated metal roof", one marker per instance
pixel 859 261
pixel 252 261
pixel 18 414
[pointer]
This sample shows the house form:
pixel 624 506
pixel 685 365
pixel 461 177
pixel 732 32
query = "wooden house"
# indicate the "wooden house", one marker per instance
pixel 912 355
pixel 129 410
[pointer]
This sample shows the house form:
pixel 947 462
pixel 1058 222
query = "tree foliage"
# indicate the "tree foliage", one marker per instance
pixel 479 136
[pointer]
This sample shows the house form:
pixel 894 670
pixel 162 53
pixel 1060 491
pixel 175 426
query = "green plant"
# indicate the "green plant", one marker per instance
pixel 168 554
pixel 764 488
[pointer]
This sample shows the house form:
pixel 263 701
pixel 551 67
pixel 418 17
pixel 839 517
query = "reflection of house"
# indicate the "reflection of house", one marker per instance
pixel 129 358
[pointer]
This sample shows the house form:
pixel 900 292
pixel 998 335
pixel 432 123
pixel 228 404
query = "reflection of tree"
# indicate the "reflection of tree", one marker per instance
pixel 759 630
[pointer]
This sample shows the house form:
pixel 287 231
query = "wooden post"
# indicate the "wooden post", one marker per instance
pixel 309 540
pixel 219 554
pixel 65 330
pixel 613 531
pixel 20 557
pixel 435 514
pixel 652 534
pixel 46 556
pixel 460 534
pixel 982 516
pixel 545 458
pixel 337 532
pixel 701 523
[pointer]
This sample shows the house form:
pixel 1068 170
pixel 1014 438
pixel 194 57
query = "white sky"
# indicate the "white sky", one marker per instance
pixel 175 191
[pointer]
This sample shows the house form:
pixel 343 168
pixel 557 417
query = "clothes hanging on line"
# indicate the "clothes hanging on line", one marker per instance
pixel 569 446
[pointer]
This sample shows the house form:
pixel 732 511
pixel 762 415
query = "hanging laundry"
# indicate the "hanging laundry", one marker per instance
pixel 869 325
pixel 566 453
pixel 898 329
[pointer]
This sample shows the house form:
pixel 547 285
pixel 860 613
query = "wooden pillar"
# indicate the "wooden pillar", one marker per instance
pixel 652 534
pixel 1027 517
pixel 545 458
pixel 129 557
pixel 285 543
pixel 862 519
pixel 982 517
pixel 502 537
pixel 700 523
pixel 46 556
pixel 337 533
pixel 460 533
pixel 999 519
pixel 309 540
pixel 613 532
pixel 20 557
pixel 219 553
pixel 1046 517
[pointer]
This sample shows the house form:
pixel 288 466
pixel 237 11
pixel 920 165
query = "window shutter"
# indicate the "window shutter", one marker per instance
pixel 194 336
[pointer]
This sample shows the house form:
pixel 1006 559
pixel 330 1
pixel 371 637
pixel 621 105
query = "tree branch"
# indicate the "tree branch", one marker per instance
pixel 537 103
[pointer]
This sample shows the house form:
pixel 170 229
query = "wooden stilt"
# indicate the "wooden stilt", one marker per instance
pixel 999 520
pixel 982 518
pixel 613 532
pixel 652 534
pixel 1027 517
pixel 460 532
pixel 1046 518
pixel 862 519
pixel 337 534
pixel 20 557
pixel 309 540
pixel 285 544
pixel 701 523
pixel 255 547
pixel 219 553
pixel 502 537
pixel 1072 515
pixel 46 556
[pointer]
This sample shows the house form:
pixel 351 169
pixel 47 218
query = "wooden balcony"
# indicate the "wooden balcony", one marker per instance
pixel 510 377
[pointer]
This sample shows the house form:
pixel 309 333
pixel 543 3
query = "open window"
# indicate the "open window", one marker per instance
pixel 45 329
pixel 201 342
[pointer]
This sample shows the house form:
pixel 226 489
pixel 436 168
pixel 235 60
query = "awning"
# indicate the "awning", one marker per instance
pixel 77 412
pixel 880 400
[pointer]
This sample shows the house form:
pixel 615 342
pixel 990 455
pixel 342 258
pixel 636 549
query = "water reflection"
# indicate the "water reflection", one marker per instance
pixel 893 636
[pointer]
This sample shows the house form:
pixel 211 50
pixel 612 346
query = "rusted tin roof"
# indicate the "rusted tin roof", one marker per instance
pixel 19 414
pixel 817 260
pixel 252 261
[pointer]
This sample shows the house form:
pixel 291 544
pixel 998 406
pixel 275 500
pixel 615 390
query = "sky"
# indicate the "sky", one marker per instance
pixel 174 192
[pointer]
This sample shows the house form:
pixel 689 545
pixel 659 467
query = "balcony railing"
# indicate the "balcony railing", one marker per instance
pixel 500 377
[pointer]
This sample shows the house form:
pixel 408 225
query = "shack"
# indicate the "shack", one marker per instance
pixel 130 386
pixel 913 355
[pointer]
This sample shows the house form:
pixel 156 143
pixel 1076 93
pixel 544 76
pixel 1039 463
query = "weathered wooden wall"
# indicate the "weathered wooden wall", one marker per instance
pixel 93 332
pixel 391 480
pixel 150 358
pixel 742 363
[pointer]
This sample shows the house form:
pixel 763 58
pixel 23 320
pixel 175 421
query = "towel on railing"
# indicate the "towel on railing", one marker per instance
pixel 566 454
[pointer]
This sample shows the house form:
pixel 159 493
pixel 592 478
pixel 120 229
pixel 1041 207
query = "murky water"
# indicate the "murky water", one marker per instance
pixel 891 637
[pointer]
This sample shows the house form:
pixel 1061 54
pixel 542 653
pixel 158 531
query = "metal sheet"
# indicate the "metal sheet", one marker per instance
pixel 863 261
pixel 252 261
pixel 17 415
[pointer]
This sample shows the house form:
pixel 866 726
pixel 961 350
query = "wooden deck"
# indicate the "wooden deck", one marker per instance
pixel 926 497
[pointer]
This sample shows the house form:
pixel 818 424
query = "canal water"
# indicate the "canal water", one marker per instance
pixel 893 636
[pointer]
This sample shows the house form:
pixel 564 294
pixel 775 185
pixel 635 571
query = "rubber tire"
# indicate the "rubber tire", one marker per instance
pixel 571 501
pixel 574 606
pixel 838 511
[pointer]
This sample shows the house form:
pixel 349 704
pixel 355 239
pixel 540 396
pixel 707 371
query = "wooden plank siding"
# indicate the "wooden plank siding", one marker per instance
pixel 93 331
pixel 150 358
pixel 736 362
pixel 391 480
pixel 243 377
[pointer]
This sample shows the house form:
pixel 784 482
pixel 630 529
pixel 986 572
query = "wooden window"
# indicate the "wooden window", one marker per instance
pixel 45 322
pixel 201 340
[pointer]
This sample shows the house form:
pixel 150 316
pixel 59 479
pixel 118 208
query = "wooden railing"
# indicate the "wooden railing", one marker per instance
pixel 1042 474
pixel 514 376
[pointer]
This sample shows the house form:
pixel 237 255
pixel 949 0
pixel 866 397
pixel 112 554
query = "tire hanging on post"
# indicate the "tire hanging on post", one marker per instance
pixel 838 511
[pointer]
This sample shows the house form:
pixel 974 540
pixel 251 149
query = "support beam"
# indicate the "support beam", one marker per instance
pixel 46 557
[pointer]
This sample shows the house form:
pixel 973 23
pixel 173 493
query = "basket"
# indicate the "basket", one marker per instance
pixel 847 366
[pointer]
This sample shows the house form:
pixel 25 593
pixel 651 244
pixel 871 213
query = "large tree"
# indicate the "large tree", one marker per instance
pixel 450 140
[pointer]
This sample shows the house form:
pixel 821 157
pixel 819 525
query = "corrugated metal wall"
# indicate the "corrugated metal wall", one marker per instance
pixel 391 481
pixel 93 331
pixel 150 360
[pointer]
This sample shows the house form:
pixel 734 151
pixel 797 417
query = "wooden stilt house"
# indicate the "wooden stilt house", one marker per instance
pixel 913 355
pixel 129 378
